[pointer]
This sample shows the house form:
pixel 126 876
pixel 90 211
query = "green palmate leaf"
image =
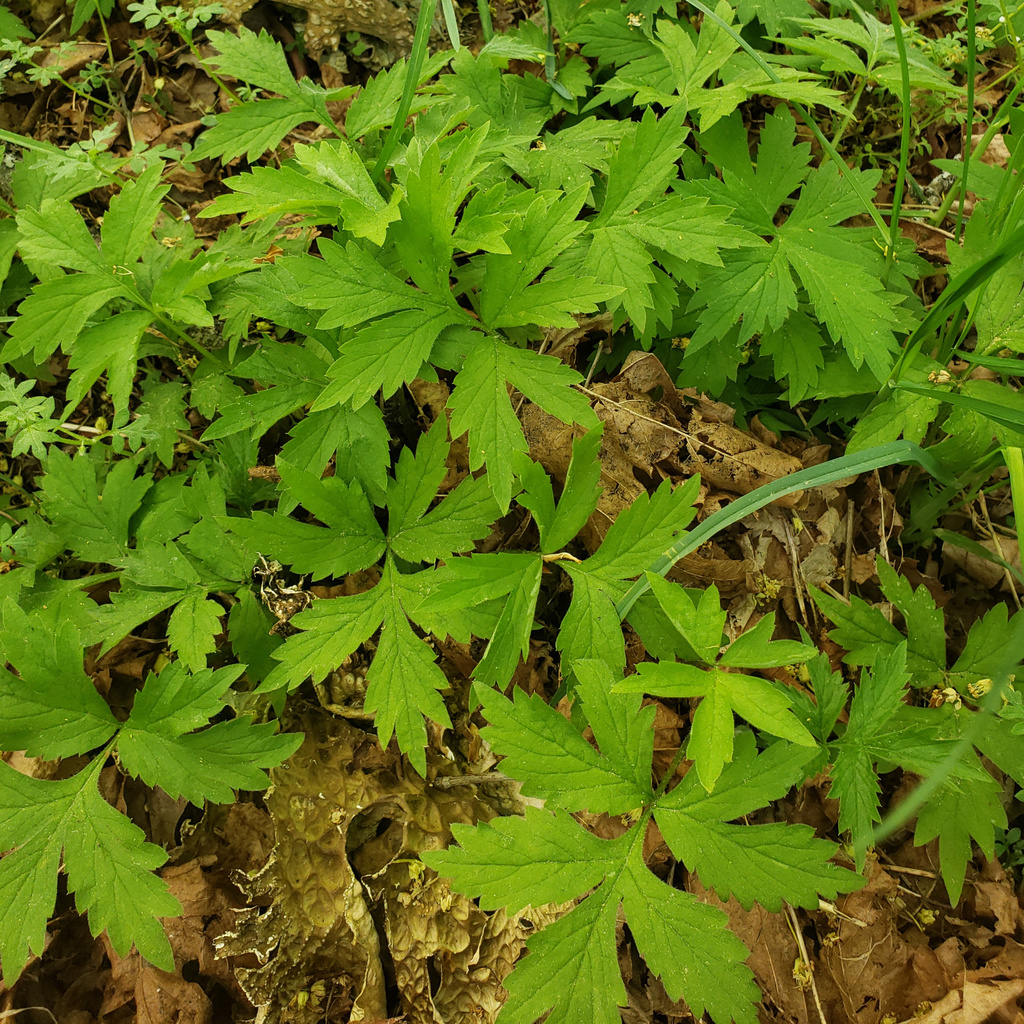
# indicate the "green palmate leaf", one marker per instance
pixel 55 313
pixel 385 355
pixel 162 414
pixel 403 680
pixel 463 516
pixel 423 236
pixel 830 696
pixel 695 953
pixel 591 628
pixel 808 248
pixel 701 624
pixel 358 440
pixel 193 628
pixel 554 762
pixel 998 306
pixel 675 68
pixel 756 649
pixel 108 864
pixel 376 104
pixel 27 418
pixel 568 158
pixel 724 692
pixel 330 184
pixel 253 128
pixel 961 811
pixel 491 859
pixel 882 729
pixel 92 521
pixel 111 346
pixel 637 219
pixel 352 286
pixel 984 654
pixel 926 632
pixel 249 130
pixel 571 968
pixel 352 539
pixel 331 631
pixel 51 709
pixel 866 633
pixel 12 27
pixel 480 404
pixel 882 57
pixel 297 375
pixel 57 236
pixel 458 591
pixel 766 863
pixel 256 59
pixel 558 525
pixel 128 224
pixel 647 526
pixel 158 742
pixel 547 228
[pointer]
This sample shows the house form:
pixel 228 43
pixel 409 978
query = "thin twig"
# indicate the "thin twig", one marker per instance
pixel 848 563
pixel 798 935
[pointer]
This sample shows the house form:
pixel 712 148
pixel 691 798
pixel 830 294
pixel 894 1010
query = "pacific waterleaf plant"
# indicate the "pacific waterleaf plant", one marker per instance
pixel 666 61
pixel 494 595
pixel 164 535
pixel 700 620
pixel 572 968
pixel 885 729
pixel 127 297
pixel 52 709
pixel 403 680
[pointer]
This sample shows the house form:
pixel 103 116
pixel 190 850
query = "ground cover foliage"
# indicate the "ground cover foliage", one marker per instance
pixel 534 522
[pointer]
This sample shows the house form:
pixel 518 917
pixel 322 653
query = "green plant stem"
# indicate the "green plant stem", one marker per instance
pixel 855 184
pixel 88 97
pixel 486 25
pixel 1015 464
pixel 9 481
pixel 118 85
pixel 968 132
pixel 901 173
pixel 670 774
pixel 420 42
pixel 221 84
pixel 837 137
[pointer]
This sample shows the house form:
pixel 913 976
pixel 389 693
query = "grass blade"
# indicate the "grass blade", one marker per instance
pixel 816 476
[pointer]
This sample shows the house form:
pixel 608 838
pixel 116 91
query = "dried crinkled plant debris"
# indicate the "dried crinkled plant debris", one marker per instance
pixel 343 810
pixel 432 931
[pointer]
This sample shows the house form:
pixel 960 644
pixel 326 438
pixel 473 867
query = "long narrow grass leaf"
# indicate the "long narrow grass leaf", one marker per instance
pixel 815 476
pixel 997 413
pixel 420 42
